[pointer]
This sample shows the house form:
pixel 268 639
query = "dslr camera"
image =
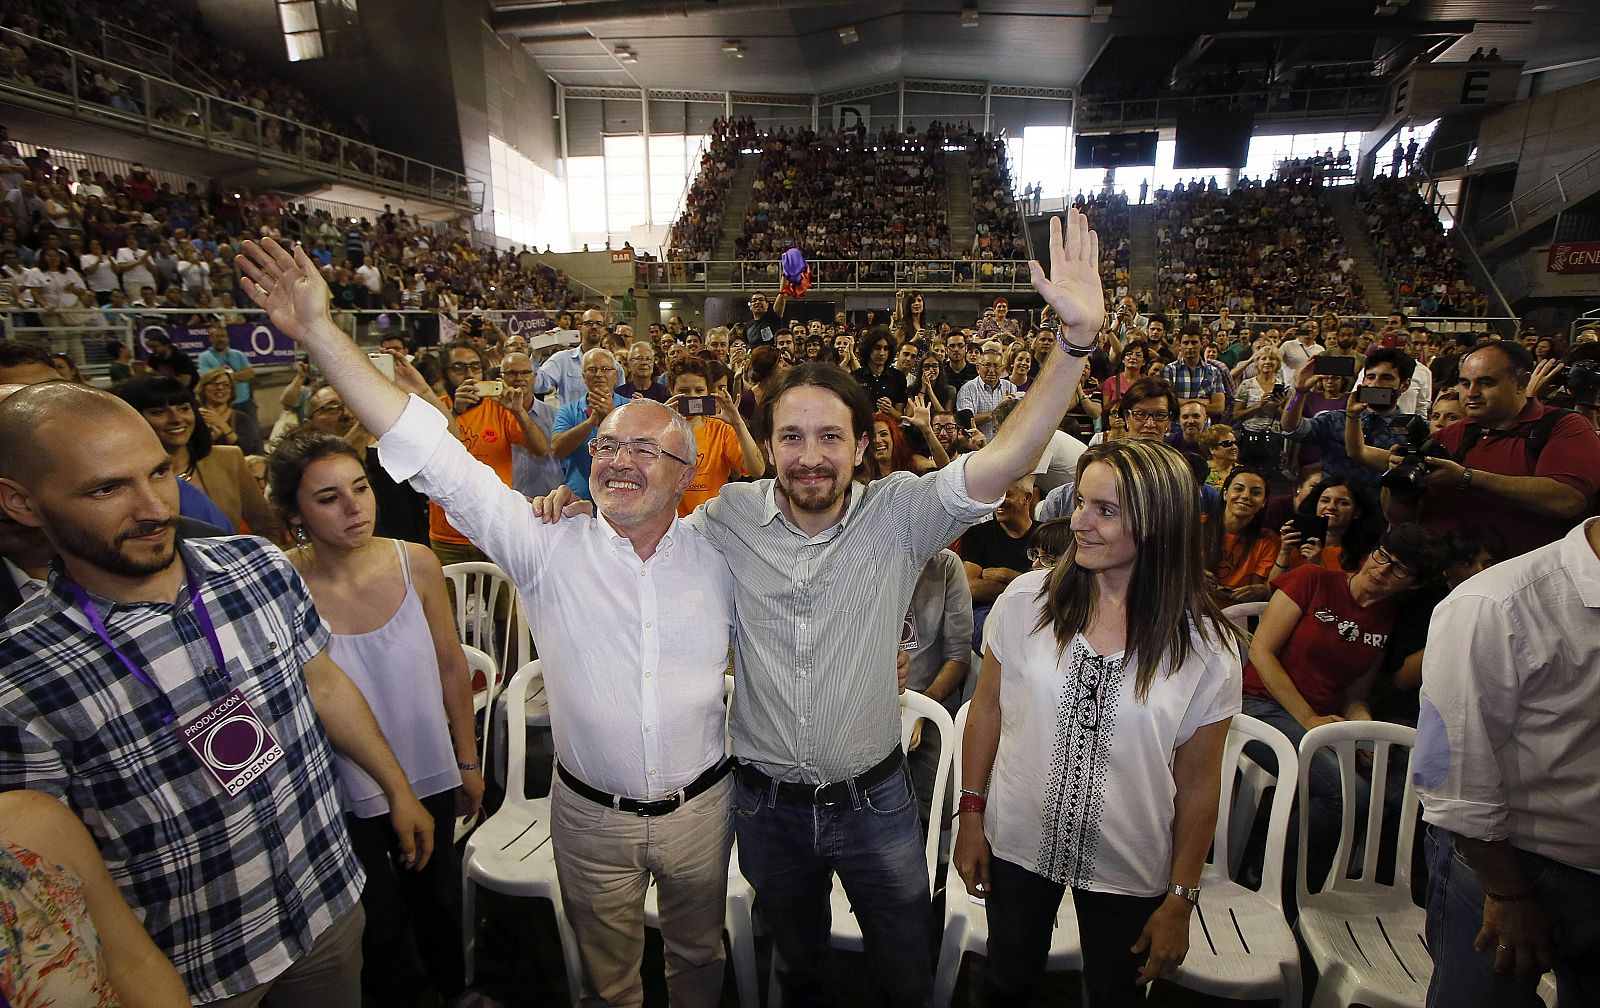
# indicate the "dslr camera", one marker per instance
pixel 1405 479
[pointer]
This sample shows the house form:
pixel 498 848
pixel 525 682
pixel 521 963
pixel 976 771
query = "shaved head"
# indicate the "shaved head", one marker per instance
pixel 26 446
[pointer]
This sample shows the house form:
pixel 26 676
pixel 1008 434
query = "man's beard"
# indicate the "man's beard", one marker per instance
pixel 108 556
pixel 815 499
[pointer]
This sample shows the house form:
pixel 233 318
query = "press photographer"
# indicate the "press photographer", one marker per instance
pixel 1526 469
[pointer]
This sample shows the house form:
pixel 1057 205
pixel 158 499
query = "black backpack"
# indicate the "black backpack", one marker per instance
pixel 1536 435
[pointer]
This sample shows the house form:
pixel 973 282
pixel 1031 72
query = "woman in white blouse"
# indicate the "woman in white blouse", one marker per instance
pixel 1099 720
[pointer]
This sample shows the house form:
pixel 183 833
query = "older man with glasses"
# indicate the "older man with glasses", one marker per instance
pixel 578 421
pixel 633 612
pixel 562 372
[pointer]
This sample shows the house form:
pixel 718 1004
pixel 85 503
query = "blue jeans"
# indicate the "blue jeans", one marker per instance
pixel 1325 817
pixel 874 843
pixel 1022 909
pixel 1465 977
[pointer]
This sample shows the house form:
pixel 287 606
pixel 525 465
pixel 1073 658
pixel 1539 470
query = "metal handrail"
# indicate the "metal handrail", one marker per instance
pixel 1440 207
pixel 205 120
pixel 1436 323
pixel 837 274
pixel 1552 191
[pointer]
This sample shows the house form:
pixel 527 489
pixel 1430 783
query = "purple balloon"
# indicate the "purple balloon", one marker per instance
pixel 383 321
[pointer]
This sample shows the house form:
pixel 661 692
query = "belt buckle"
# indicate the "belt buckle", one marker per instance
pixel 816 796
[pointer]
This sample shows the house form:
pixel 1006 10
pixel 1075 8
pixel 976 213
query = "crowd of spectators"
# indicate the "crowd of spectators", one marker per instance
pixel 1424 270
pixel 838 195
pixel 129 242
pixel 850 195
pixel 268 111
pixel 695 233
pixel 1268 249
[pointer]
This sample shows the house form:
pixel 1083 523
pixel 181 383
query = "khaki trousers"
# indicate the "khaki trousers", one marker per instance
pixel 328 976
pixel 605 861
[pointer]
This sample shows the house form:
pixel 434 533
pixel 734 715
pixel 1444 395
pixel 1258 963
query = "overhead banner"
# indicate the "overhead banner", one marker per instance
pixel 260 341
pixel 1574 257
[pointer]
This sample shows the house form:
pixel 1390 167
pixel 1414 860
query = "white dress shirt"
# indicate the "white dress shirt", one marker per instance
pixel 634 651
pixel 1508 738
pixel 27 587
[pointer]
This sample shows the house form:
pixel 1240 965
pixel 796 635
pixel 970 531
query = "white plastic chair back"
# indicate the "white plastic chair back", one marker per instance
pixel 1388 742
pixel 1244 783
pixel 478 589
pixel 914 705
pixel 1242 614
pixel 480 665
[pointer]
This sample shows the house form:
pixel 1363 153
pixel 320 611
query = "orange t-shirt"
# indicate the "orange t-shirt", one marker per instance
pixel 488 430
pixel 719 457
pixel 1235 568
pixel 1331 558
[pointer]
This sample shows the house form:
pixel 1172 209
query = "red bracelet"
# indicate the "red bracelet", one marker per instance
pixel 971 803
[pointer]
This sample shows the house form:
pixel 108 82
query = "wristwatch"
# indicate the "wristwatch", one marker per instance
pixel 1191 895
pixel 1466 478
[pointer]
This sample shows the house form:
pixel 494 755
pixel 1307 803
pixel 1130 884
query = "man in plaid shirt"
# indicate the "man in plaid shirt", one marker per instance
pixel 245 878
pixel 1194 377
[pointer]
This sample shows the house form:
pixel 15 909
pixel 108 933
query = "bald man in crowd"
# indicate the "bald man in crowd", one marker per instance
pixel 633 611
pixel 579 420
pixel 179 697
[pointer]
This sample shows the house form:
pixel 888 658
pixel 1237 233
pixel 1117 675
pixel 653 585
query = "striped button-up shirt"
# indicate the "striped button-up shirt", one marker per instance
pixel 234 890
pixel 820 616
pixel 1197 382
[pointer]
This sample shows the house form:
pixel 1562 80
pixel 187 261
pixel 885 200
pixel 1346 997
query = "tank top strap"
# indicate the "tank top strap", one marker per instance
pixel 405 560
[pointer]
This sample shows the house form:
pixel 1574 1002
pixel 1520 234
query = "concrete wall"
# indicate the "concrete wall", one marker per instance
pixel 1543 134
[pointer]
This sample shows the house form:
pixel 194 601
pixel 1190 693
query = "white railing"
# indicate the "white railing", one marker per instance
pixel 837 274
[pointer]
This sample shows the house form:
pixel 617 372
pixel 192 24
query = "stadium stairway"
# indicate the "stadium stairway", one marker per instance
pixel 734 209
pixel 958 202
pixel 1142 248
pixel 1353 227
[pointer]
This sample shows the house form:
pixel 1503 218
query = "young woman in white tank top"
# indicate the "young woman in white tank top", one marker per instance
pixel 386 603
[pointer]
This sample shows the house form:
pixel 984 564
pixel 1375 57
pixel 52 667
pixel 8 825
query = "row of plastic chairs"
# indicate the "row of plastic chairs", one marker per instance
pixel 1364 935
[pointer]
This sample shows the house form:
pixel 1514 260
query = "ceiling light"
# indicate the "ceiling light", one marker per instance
pixel 849 36
pixel 969 17
pixel 1100 14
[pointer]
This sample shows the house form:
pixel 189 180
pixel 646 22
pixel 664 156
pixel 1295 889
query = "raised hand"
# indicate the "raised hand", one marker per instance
pixel 288 287
pixel 918 412
pixel 1073 287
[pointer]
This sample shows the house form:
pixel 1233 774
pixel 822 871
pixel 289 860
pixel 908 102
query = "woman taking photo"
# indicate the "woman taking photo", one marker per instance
pixel 387 605
pixel 1350 531
pixel 723 445
pixel 1239 550
pixel 1099 720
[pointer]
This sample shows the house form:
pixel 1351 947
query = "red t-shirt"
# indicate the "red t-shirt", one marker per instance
pixel 1335 643
pixel 1571 456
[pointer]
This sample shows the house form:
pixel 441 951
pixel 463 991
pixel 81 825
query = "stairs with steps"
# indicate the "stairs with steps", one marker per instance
pixel 958 202
pixel 1141 248
pixel 734 209
pixel 1353 228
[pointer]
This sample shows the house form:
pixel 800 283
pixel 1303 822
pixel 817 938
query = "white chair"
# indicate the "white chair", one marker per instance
pixel 478 590
pixel 1240 945
pixel 1365 936
pixel 966 923
pixel 1243 614
pixel 846 929
pixel 479 666
pixel 512 853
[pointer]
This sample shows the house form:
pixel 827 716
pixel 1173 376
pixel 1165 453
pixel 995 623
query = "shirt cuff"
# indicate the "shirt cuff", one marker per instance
pixel 410 443
pixel 952 482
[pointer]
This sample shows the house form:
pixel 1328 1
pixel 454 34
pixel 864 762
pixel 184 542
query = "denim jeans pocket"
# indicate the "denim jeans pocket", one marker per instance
pixel 889 797
pixel 746 800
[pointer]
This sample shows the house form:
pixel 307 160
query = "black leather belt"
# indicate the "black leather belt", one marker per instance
pixel 823 794
pixel 657 807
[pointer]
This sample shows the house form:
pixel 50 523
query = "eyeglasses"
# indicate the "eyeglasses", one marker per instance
pixel 333 407
pixel 467 367
pixel 591 321
pixel 945 427
pixel 608 448
pixel 599 370
pixel 1141 416
pixel 1386 559
pixel 1091 675
pixel 1227 444
pixel 516 374
pixel 1036 556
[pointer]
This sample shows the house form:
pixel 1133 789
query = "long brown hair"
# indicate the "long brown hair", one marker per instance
pixel 1168 598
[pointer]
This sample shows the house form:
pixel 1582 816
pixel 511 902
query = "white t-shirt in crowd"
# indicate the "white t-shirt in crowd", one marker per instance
pixel 140 275
pixel 1082 791
pixel 1295 354
pixel 1061 454
pixel 98 272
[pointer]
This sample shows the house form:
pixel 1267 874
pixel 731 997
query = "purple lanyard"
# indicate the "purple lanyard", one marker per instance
pixel 201 616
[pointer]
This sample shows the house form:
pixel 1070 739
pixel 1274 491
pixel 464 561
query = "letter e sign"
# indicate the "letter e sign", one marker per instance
pixel 1474 87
